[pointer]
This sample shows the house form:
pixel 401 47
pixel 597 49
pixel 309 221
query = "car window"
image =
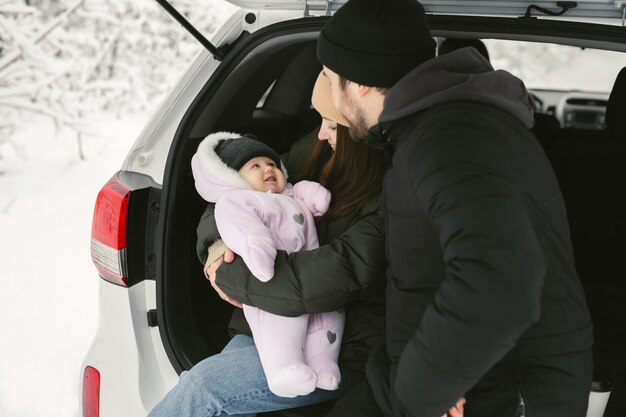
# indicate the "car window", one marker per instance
pixel 557 67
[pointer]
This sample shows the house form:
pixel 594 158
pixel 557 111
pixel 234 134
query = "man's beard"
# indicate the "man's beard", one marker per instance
pixel 358 126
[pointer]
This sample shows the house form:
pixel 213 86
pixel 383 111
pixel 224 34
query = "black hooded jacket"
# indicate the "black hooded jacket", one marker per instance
pixel 481 262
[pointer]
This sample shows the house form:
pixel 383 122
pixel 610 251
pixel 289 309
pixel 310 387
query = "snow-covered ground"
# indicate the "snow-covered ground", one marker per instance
pixel 48 284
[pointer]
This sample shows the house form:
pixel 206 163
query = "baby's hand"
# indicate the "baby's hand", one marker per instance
pixel 314 195
pixel 229 256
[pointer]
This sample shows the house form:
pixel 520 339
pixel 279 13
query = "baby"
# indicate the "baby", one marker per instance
pixel 257 213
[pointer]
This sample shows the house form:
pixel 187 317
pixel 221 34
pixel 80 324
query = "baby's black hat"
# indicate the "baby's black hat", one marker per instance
pixel 236 151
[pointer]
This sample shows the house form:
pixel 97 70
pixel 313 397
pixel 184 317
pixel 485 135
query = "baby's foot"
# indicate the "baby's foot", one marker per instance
pixel 328 374
pixel 292 380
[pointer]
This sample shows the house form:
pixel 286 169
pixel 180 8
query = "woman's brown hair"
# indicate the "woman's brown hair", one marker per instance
pixel 353 173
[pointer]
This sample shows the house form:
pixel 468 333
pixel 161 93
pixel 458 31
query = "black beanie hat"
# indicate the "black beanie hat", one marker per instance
pixel 237 151
pixel 376 42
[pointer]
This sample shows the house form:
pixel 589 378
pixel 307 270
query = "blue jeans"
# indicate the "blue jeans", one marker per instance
pixel 231 383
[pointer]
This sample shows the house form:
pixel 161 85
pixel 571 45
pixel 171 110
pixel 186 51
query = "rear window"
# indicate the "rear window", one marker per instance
pixel 557 67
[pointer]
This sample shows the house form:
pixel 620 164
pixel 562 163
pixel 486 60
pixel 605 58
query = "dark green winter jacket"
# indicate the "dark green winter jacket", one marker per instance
pixel 347 270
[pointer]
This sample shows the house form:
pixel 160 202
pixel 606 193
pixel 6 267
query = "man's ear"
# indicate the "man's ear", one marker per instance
pixel 363 90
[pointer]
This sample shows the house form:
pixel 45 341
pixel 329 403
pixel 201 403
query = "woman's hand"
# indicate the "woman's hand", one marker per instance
pixel 210 271
pixel 456 410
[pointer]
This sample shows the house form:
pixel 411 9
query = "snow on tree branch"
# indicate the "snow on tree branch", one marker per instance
pixel 71 60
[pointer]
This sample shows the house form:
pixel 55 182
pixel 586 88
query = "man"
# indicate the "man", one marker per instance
pixel 483 300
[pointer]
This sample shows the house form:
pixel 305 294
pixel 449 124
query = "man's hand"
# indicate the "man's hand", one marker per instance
pixel 211 272
pixel 456 410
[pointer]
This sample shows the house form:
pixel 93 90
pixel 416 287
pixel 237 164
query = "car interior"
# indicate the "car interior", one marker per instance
pixel 264 88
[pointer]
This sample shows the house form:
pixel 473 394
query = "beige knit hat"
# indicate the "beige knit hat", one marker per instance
pixel 323 102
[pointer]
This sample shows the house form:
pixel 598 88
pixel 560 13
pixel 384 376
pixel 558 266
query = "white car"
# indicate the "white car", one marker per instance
pixel 158 315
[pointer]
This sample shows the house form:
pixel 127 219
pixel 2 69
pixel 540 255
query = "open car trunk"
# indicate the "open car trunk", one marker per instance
pixel 268 94
pixel 263 86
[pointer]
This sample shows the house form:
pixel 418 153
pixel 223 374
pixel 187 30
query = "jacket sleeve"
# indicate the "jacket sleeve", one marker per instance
pixel 206 233
pixel 240 218
pixel 469 186
pixel 349 268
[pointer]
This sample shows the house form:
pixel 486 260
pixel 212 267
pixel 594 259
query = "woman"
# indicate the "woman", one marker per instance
pixel 347 270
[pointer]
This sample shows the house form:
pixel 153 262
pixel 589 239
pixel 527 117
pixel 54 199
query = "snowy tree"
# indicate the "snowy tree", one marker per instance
pixel 529 61
pixel 70 60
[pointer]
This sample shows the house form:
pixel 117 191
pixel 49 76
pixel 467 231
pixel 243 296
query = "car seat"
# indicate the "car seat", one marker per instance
pixel 590 167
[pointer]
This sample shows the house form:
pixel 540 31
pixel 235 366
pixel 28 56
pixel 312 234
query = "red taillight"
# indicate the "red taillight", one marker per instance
pixel 91 392
pixel 108 231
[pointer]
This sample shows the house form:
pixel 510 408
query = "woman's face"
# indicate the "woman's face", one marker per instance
pixel 328 132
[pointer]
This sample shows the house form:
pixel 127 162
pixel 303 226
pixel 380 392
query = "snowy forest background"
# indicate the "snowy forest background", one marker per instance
pixel 70 60
pixel 78 80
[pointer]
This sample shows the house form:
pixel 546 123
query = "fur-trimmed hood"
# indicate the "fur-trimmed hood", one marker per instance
pixel 213 177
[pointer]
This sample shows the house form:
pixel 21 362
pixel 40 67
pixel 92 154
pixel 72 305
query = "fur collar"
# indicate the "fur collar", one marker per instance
pixel 212 165
pixel 212 177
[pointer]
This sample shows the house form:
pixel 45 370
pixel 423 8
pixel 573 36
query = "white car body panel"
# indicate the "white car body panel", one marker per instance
pixel 135 372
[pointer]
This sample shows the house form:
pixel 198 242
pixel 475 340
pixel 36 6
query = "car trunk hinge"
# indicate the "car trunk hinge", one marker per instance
pixel 194 32
pixel 308 6
pixel 564 5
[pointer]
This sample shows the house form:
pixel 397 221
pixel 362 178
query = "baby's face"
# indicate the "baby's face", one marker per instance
pixel 262 174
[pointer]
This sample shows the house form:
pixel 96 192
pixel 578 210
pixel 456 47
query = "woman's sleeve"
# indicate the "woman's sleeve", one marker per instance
pixel 349 268
pixel 207 233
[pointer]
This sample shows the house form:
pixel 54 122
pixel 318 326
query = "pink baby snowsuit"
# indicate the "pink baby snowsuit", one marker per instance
pixel 298 354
